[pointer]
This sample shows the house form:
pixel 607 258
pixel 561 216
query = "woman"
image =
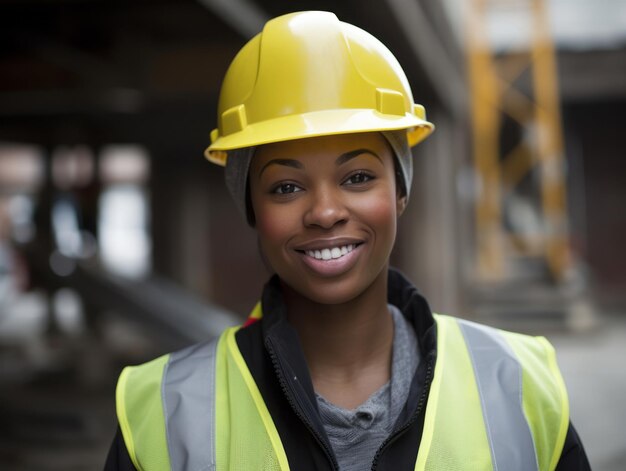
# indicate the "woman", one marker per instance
pixel 341 365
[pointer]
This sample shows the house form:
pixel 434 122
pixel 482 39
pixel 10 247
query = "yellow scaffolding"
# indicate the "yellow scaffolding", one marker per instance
pixel 492 77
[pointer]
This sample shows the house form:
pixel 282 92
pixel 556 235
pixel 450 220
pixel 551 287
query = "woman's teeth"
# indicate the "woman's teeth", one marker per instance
pixel 328 254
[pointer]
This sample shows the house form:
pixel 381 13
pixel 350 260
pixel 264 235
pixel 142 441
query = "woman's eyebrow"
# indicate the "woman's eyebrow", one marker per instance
pixel 287 162
pixel 343 158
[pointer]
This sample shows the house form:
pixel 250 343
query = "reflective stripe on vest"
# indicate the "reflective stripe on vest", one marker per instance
pixel 497 402
pixel 190 424
pixel 474 381
pixel 499 377
pixel 196 410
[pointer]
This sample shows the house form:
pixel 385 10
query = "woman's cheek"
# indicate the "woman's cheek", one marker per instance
pixel 379 207
pixel 272 223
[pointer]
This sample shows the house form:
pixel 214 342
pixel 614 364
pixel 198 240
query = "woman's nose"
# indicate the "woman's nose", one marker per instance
pixel 326 209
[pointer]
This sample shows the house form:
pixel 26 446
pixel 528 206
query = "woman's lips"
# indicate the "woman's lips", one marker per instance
pixel 331 253
pixel 331 262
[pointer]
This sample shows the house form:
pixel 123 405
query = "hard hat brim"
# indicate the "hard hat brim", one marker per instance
pixel 314 124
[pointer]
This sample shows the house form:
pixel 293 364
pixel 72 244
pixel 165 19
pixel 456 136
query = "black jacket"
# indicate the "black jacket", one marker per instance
pixel 273 354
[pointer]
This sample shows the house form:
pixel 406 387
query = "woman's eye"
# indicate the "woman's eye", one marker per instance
pixel 357 178
pixel 286 188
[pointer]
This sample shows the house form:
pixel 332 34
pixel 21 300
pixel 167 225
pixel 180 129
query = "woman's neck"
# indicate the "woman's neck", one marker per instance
pixel 347 346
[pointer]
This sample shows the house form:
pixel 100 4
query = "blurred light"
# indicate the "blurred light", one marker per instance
pixel 21 209
pixel 7 281
pixel 524 216
pixel 582 24
pixel 23 317
pixel 123 210
pixel 68 311
pixel 124 164
pixel 21 167
pixel 62 265
pixel 72 167
pixel 123 230
pixel 66 228
pixel 575 24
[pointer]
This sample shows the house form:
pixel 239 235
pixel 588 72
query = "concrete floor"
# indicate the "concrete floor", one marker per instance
pixel 594 368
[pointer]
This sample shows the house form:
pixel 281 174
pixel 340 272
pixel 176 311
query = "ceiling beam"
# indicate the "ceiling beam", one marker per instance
pixel 244 16
pixel 444 76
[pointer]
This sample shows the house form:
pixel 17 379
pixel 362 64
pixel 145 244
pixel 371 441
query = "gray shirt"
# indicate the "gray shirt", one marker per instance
pixel 356 434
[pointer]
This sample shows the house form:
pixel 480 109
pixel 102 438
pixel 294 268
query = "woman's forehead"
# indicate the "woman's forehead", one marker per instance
pixel 331 146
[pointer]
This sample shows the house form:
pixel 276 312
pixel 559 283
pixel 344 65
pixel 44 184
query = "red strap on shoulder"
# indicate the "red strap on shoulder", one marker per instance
pixel 250 320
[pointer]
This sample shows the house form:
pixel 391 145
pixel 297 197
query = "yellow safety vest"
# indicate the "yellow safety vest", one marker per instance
pixel 497 402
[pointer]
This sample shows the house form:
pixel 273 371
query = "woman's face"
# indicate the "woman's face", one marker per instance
pixel 326 211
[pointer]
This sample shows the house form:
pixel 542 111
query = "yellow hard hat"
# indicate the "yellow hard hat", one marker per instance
pixel 308 74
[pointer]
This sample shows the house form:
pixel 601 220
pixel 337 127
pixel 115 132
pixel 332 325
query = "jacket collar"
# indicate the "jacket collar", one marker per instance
pixel 283 346
pixel 400 292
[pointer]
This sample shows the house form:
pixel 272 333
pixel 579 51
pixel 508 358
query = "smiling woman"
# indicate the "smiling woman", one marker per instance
pixel 335 196
pixel 341 365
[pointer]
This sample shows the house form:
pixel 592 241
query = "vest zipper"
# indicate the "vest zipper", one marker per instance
pixel 297 406
pixel 420 405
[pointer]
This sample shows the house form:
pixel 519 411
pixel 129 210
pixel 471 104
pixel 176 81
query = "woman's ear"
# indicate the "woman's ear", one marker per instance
pixel 401 202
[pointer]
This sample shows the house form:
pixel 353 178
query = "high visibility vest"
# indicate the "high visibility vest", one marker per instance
pixel 497 402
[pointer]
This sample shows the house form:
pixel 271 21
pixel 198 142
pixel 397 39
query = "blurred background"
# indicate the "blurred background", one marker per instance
pixel 118 241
